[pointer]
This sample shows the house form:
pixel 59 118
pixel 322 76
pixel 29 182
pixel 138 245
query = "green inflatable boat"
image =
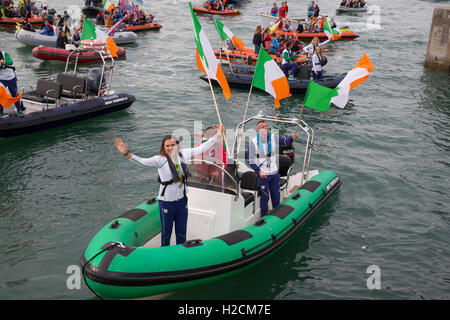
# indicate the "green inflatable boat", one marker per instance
pixel 226 233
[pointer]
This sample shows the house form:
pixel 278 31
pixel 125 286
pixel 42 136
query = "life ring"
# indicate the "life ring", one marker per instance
pixel 94 44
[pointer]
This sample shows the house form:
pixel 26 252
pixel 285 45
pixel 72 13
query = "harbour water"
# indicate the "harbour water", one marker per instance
pixel 390 147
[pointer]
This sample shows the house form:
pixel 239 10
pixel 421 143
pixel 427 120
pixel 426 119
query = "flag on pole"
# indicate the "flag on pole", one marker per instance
pixel 6 100
pixel 354 77
pixel 107 5
pixel 226 33
pixel 274 27
pixel 206 59
pixel 113 29
pixel 269 77
pixel 92 32
pixel 332 33
pixel 318 97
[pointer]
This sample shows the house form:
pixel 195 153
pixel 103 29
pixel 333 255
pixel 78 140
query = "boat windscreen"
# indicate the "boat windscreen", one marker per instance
pixel 213 177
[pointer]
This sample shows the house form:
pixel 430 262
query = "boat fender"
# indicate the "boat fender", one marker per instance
pixel 94 44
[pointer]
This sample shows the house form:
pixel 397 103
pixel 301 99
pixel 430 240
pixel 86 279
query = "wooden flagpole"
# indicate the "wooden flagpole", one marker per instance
pixel 215 104
pixel 299 117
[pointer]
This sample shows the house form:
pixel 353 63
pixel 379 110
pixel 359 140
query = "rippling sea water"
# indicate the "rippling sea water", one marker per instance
pixel 390 146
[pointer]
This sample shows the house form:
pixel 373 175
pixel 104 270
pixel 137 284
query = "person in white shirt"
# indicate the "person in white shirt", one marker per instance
pixel 287 26
pixel 317 64
pixel 8 80
pixel 172 172
pixel 262 151
pixel 311 48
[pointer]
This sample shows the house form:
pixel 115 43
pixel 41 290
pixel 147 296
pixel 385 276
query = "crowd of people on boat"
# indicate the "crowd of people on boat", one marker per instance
pixel 273 45
pixel 353 3
pixel 25 8
pixel 52 26
pixel 116 14
pixel 216 5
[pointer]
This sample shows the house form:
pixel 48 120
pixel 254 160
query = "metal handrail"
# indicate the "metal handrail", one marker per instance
pixel 46 96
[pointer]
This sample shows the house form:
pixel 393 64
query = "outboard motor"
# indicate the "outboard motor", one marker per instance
pixel 287 150
pixel 304 70
pixel 93 80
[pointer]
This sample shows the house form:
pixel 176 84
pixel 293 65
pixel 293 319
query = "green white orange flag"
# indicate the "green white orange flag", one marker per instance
pixel 318 97
pixel 269 77
pixel 226 33
pixel 107 5
pixel 206 59
pixel 6 100
pixel 92 32
pixel 332 34
pixel 354 77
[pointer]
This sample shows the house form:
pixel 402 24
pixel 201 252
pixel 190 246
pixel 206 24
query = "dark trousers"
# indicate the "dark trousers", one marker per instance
pixel 173 212
pixel 12 86
pixel 270 184
pixel 317 76
pixel 289 66
pixel 256 49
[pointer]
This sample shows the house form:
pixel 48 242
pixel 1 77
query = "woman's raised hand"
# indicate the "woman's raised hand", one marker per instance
pixel 120 146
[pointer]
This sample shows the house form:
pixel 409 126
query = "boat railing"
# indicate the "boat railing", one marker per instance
pixel 302 126
pixel 107 65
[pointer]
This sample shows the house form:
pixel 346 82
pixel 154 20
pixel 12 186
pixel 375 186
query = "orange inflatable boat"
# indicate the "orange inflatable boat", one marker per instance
pixel 347 35
pixel 226 12
pixel 12 22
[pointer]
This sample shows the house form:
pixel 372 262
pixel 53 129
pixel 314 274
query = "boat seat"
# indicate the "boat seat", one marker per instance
pixel 47 91
pixel 248 198
pixel 73 86
pixel 284 167
pixel 249 181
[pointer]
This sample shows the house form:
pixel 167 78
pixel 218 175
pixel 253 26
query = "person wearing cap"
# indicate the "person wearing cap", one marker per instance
pixel 172 171
pixel 262 151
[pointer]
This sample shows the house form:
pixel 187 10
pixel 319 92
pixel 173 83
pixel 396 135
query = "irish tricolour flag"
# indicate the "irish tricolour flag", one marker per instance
pixel 6 100
pixel 92 32
pixel 269 77
pixel 354 77
pixel 332 34
pixel 319 97
pixel 226 33
pixel 206 59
